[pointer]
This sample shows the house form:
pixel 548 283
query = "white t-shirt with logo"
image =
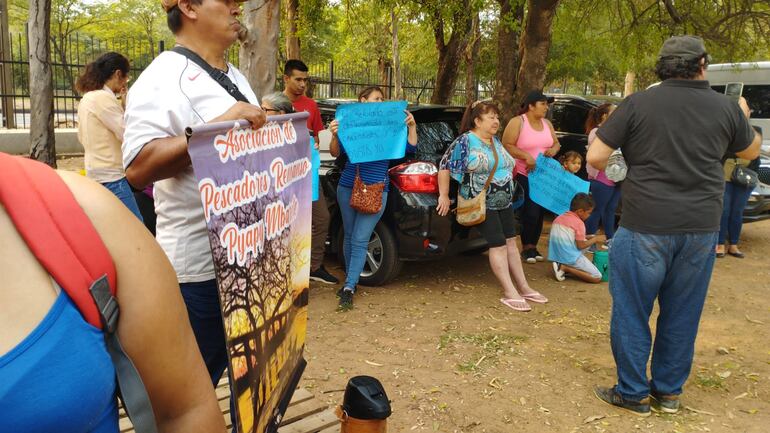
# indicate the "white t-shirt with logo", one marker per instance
pixel 171 94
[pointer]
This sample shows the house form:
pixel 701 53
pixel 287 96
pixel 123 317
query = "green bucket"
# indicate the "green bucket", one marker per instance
pixel 602 262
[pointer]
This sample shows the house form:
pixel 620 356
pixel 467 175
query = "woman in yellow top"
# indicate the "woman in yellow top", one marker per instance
pixel 101 125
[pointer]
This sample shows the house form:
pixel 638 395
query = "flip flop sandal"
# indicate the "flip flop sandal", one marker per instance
pixel 536 297
pixel 515 304
pixel 737 254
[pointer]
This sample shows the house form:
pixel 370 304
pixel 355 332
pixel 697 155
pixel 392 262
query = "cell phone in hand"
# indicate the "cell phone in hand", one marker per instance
pixel 734 90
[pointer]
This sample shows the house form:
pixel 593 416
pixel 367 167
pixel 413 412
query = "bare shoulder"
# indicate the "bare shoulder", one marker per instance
pixel 515 121
pixel 126 238
pixel 511 132
pixel 105 211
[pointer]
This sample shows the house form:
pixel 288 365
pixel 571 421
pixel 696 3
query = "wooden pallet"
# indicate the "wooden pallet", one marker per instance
pixel 305 414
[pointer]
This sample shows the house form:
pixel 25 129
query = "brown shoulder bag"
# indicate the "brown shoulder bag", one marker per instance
pixel 366 198
pixel 473 211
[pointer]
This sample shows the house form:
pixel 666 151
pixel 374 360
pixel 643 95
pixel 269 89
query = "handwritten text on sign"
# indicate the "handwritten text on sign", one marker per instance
pixel 373 131
pixel 553 187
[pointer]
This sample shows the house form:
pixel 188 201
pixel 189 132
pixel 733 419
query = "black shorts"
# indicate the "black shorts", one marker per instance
pixel 498 226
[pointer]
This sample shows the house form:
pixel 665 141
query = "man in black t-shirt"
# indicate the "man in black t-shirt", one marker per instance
pixel 673 137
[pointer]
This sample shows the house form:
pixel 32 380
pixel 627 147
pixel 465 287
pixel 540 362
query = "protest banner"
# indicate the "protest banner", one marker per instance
pixel 553 187
pixel 255 188
pixel 372 131
pixel 315 160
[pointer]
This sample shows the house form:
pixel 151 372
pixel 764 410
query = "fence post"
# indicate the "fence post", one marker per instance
pixel 331 79
pixel 161 46
pixel 6 77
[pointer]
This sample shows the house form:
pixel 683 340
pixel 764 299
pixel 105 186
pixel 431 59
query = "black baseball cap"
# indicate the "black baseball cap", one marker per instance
pixel 534 96
pixel 685 47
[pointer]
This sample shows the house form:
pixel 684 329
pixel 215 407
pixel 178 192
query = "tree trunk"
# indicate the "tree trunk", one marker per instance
pixel 471 55
pixel 535 46
pixel 61 48
pixel 628 88
pixel 42 138
pixel 292 39
pixel 383 70
pixel 259 44
pixel 396 57
pixel 508 34
pixel 450 53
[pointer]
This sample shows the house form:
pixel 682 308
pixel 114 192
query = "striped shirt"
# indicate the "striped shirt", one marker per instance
pixel 370 172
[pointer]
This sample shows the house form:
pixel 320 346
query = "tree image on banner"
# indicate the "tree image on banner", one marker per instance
pixel 255 188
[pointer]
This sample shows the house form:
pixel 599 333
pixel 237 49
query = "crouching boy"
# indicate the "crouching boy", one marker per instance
pixel 568 239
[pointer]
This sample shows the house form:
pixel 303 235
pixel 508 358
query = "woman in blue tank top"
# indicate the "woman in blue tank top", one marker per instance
pixel 55 372
pixel 358 226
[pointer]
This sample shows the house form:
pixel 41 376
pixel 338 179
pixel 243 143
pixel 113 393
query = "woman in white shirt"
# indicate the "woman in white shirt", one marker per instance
pixel 101 125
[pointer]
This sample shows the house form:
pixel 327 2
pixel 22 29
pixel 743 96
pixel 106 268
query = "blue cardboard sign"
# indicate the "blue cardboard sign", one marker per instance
pixel 372 131
pixel 553 187
pixel 315 161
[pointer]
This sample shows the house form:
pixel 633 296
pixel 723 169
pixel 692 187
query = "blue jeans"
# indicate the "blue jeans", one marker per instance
pixel 202 302
pixel 358 228
pixel 676 270
pixel 606 201
pixel 122 190
pixel 735 199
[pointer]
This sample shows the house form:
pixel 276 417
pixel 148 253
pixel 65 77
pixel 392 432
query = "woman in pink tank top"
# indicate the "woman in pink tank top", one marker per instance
pixel 525 137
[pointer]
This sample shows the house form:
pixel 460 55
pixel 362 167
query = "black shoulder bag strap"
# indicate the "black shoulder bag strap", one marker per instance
pixel 220 77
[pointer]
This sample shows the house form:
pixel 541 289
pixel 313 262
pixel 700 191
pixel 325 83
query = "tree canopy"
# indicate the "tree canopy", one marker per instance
pixel 594 44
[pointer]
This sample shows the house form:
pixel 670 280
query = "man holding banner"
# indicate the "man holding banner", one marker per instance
pixel 189 85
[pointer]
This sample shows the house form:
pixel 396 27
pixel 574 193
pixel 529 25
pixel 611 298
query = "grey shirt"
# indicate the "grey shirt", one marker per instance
pixel 673 138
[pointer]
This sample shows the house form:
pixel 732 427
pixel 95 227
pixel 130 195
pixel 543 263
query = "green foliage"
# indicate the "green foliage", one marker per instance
pixel 134 19
pixel 584 48
pixel 594 42
pixel 316 29
pixel 18 11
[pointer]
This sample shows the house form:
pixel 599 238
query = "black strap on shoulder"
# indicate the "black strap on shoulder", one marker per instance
pixel 217 75
pixel 131 388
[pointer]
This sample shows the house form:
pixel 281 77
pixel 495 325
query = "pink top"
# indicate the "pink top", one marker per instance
pixel 533 142
pixel 597 175
pixel 572 220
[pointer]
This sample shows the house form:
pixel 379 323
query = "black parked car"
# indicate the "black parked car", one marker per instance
pixel 410 228
pixel 568 113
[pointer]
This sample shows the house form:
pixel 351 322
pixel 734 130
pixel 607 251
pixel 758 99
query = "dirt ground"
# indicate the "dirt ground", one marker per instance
pixel 452 359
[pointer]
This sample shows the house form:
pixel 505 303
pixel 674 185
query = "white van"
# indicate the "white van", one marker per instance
pixel 755 77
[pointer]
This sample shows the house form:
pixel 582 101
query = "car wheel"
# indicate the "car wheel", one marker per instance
pixel 382 264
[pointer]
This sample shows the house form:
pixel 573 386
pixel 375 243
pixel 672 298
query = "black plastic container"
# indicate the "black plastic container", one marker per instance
pixel 365 398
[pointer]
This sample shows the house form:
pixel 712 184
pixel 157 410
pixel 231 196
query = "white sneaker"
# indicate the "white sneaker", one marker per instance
pixel 557 272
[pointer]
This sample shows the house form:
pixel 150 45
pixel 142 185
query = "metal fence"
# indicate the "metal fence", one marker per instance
pixel 70 55
pixel 331 80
